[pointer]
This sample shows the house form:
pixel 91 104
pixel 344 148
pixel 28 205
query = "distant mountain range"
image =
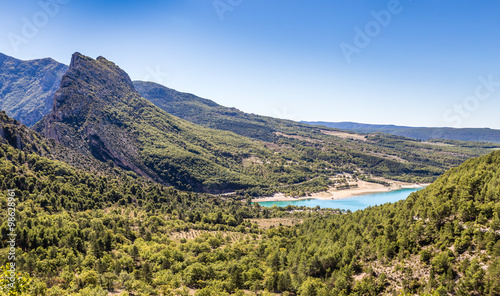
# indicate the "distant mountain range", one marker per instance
pixel 27 87
pixel 210 114
pixel 420 133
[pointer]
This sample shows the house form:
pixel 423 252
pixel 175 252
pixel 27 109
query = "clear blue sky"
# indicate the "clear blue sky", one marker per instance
pixel 419 63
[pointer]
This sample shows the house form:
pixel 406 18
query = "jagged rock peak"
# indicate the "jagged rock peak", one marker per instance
pixel 75 58
pixel 98 71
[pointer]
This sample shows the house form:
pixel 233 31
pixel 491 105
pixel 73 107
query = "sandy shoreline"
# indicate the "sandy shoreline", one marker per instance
pixel 332 193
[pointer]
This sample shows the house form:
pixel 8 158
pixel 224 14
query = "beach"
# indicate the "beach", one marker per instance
pixel 362 187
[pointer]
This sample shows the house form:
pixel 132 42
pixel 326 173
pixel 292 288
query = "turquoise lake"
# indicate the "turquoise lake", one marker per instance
pixel 354 203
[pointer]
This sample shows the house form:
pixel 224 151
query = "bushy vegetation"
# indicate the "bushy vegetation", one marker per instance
pixel 108 215
pixel 81 233
pixel 314 149
pixel 100 116
pixel 71 221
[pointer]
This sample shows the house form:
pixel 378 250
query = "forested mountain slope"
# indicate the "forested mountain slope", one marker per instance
pixel 97 111
pixel 27 87
pixel 124 236
pixel 17 135
pixel 82 233
pixel 393 157
pixel 444 237
pixel 210 114
pixel 105 119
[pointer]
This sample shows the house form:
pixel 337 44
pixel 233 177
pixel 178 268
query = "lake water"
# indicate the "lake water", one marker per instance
pixel 354 203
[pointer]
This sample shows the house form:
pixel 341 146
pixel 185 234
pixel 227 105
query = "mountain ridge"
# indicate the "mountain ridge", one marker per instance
pixel 27 87
pixel 211 114
pixel 17 135
pixel 419 133
pixel 97 111
pixel 27 95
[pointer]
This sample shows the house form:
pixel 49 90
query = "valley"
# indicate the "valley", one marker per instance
pixel 132 188
pixel 345 188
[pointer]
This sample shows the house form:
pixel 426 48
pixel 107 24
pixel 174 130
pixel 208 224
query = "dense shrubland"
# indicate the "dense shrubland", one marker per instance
pixel 96 216
pixel 81 233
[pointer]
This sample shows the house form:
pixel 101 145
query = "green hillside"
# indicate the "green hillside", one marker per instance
pixel 392 157
pixel 210 114
pixel 284 156
pixel 98 112
pixel 445 238
pixel 82 234
pixel 71 223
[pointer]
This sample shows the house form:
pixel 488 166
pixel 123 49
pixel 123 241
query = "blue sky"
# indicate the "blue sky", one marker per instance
pixel 417 63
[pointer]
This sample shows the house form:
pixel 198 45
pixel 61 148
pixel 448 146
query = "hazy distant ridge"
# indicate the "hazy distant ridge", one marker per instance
pixel 420 133
pixel 27 87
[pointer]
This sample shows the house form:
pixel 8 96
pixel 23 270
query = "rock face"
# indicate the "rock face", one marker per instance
pixel 83 113
pixel 98 112
pixel 10 134
pixel 17 135
pixel 27 87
